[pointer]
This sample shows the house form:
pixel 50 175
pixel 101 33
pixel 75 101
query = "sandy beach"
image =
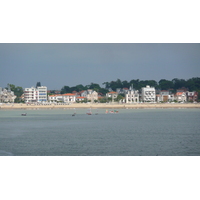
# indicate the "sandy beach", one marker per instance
pixel 100 105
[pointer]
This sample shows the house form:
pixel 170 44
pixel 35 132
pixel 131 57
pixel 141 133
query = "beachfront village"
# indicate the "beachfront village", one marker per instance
pixel 41 95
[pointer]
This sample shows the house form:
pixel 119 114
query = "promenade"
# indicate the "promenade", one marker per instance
pixel 99 105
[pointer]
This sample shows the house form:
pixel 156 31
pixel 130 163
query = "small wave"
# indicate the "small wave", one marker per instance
pixel 5 153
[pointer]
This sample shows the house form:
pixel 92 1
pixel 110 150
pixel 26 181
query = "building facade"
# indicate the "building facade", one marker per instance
pixel 30 95
pixel 62 98
pixel 92 95
pixel 132 96
pixel 192 96
pixel 6 95
pixel 148 94
pixel 181 97
pixel 112 95
pixel 35 95
pixel 42 93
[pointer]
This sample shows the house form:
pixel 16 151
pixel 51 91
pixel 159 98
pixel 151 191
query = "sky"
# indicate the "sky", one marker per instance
pixel 58 64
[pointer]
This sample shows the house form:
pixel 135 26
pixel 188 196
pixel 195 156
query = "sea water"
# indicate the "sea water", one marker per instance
pixel 130 132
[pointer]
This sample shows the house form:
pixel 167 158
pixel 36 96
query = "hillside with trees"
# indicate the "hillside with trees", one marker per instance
pixel 192 84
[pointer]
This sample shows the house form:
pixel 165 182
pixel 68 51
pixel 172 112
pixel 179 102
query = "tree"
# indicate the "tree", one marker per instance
pixel 103 91
pixel 125 84
pixel 179 83
pixel 18 91
pixel 65 89
pixel 80 87
pixel 94 86
pixel 135 83
pixel 193 84
pixel 119 97
pixel 165 84
pixel 107 85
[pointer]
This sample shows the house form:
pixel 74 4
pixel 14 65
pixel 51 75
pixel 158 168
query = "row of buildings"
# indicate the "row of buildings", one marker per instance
pixel 39 94
pixel 147 94
pixel 150 94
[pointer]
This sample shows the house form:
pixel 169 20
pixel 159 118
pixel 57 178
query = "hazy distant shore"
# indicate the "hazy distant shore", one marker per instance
pixel 101 105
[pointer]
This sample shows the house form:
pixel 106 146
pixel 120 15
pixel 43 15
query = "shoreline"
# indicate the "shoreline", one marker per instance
pixel 100 106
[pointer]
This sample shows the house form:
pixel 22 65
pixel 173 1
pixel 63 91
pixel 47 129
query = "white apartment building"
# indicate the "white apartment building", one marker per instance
pixel 33 95
pixel 30 95
pixel 42 93
pixel 148 94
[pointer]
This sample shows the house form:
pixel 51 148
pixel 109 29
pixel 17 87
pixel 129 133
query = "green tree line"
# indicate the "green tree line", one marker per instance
pixel 80 87
pixel 192 84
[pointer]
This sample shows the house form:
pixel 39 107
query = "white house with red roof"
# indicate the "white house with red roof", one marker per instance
pixel 181 97
pixel 66 98
pixel 80 99
pixel 112 94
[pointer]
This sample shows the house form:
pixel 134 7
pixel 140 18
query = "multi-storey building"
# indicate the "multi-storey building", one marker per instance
pixel 33 95
pixel 132 96
pixel 42 93
pixel 148 94
pixel 30 95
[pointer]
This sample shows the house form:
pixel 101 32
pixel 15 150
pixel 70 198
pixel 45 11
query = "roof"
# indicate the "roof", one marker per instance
pixel 179 93
pixel 68 94
pixel 80 97
pixel 112 92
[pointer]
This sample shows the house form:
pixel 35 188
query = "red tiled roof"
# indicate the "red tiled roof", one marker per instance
pixel 179 93
pixel 68 94
pixel 53 95
pixel 80 97
pixel 112 92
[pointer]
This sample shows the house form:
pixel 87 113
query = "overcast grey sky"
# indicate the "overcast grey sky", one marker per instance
pixel 56 65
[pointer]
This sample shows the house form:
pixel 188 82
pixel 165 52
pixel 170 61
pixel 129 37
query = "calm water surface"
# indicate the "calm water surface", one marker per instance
pixel 131 132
